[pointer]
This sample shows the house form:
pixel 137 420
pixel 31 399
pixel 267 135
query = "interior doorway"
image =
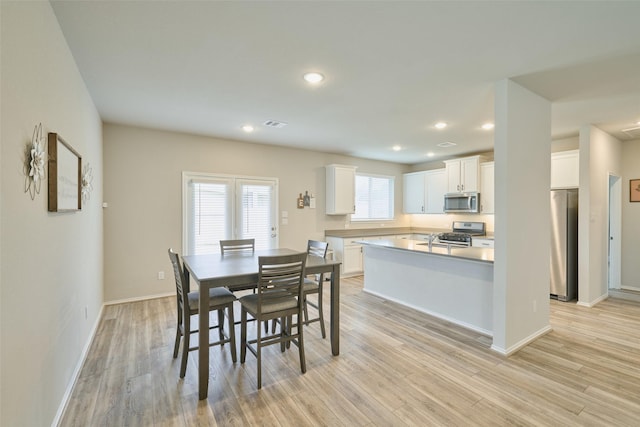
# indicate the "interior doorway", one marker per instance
pixel 615 232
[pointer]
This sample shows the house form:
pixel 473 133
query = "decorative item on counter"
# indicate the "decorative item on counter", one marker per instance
pixel 300 202
pixel 306 199
pixel 34 167
pixel 87 182
pixel 312 202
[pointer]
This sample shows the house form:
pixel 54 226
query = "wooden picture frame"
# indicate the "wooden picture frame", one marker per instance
pixel 65 180
pixel 634 190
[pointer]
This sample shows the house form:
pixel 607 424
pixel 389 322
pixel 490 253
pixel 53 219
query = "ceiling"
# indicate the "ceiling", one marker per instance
pixel 392 69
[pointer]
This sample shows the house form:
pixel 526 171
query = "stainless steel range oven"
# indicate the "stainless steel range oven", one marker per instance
pixel 462 232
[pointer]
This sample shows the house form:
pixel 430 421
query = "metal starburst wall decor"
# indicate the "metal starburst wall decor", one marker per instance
pixel 87 182
pixel 34 167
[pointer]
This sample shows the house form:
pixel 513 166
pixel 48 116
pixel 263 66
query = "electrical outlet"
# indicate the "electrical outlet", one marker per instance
pixel 160 275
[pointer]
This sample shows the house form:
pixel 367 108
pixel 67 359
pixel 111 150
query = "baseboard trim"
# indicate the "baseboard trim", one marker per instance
pixel 136 299
pixel 76 372
pixel 522 343
pixel 593 303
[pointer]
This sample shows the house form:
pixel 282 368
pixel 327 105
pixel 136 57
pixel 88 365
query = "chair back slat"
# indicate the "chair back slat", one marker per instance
pixel 178 272
pixel 317 248
pixel 280 277
pixel 237 246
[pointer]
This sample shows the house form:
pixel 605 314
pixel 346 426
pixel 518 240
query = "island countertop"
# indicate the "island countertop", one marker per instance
pixel 484 255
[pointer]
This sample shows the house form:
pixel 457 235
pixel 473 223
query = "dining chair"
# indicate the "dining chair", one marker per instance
pixel 219 300
pixel 238 247
pixel 279 296
pixel 310 287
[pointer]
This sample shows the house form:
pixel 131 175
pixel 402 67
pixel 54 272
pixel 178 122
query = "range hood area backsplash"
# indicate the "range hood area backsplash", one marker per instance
pixel 444 221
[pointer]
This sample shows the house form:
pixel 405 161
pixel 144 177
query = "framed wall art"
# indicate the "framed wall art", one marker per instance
pixel 65 180
pixel 634 190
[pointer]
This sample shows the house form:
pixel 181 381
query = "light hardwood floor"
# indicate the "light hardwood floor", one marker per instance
pixel 396 367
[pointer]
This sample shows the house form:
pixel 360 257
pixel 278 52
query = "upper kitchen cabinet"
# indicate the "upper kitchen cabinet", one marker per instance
pixel 487 191
pixel 413 193
pixel 341 189
pixel 463 175
pixel 423 192
pixel 565 169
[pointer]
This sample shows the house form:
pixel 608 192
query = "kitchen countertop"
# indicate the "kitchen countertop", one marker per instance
pixel 382 231
pixel 484 255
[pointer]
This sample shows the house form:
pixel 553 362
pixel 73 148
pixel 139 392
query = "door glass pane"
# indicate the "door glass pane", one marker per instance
pixel 256 213
pixel 210 219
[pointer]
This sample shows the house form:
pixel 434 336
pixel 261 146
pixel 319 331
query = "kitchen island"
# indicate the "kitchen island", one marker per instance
pixel 452 283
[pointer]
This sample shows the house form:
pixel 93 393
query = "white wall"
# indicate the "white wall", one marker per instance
pixel 523 239
pixel 51 264
pixel 600 155
pixel 143 178
pixel 630 216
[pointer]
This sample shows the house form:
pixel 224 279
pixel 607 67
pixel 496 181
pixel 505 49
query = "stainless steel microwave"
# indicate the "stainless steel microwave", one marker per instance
pixel 462 202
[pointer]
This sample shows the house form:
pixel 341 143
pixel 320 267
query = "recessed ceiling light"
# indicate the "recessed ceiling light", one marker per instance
pixel 488 126
pixel 440 125
pixel 430 154
pixel 396 148
pixel 313 78
pixel 247 128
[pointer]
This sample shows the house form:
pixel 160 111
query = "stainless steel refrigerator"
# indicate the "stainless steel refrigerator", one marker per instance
pixel 564 244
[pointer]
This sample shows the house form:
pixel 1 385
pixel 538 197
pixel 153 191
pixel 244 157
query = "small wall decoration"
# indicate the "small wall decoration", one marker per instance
pixel 87 182
pixel 306 201
pixel 65 180
pixel 34 169
pixel 634 190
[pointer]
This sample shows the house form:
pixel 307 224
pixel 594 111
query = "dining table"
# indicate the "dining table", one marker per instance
pixel 216 270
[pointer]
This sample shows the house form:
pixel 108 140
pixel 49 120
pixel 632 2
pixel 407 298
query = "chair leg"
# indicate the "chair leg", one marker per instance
pixel 306 311
pixel 283 322
pixel 303 363
pixel 176 346
pixel 185 349
pixel 259 355
pixel 321 312
pixel 243 335
pixel 221 325
pixel 232 332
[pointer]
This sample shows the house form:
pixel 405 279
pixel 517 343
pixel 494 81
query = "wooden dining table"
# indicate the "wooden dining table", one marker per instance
pixel 215 270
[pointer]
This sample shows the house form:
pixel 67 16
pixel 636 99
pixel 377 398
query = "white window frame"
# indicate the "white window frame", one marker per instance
pixel 233 180
pixel 391 200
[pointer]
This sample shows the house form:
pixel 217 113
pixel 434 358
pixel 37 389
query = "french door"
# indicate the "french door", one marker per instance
pixel 220 207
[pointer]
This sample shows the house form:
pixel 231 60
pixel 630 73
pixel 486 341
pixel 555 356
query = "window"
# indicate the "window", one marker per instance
pixel 374 197
pixel 220 207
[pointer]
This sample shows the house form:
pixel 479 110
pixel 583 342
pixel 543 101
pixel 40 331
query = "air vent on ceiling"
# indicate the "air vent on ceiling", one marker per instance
pixel 446 144
pixel 633 132
pixel 274 124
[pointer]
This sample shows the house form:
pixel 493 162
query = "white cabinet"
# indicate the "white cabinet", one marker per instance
pixel 487 190
pixel 423 192
pixel 565 169
pixel 341 189
pixel 436 188
pixel 463 175
pixel 413 192
pixel 348 252
pixel 352 260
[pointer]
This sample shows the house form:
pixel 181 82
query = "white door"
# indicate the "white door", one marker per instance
pixel 256 212
pixel 220 207
pixel 615 232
